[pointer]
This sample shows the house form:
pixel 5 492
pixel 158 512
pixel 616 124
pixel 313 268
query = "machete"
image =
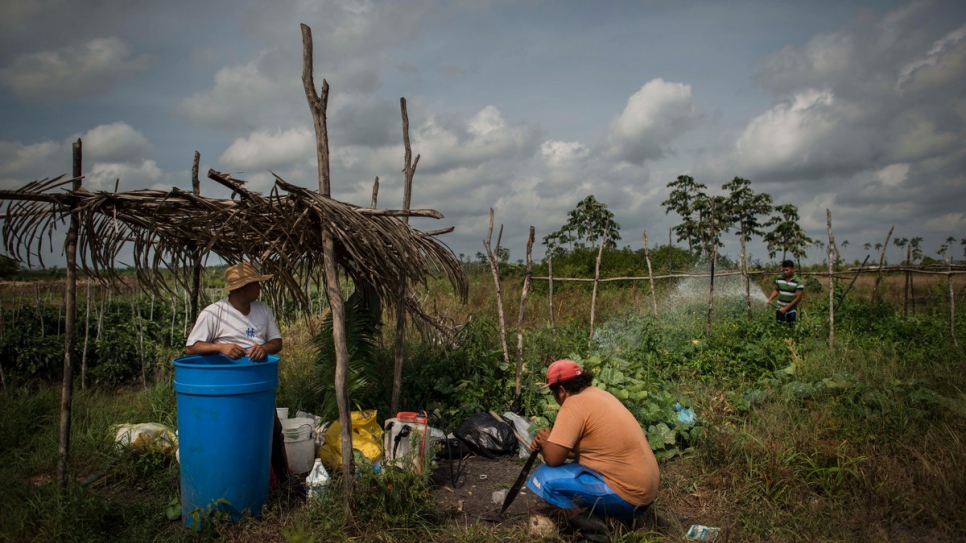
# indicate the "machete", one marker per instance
pixel 515 489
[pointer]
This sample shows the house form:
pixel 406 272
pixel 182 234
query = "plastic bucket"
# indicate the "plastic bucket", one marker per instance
pixel 225 418
pixel 299 443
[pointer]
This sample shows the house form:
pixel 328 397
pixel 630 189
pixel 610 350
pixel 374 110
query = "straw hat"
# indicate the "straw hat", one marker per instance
pixel 242 274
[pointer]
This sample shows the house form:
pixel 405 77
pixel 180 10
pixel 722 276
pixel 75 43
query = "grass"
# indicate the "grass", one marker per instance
pixel 800 442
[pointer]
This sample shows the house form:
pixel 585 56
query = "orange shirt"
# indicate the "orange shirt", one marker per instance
pixel 607 438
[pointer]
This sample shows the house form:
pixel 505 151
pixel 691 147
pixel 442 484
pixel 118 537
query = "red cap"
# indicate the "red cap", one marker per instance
pixel 561 370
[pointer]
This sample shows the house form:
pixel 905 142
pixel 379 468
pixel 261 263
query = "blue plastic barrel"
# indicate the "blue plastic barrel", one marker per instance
pixel 226 410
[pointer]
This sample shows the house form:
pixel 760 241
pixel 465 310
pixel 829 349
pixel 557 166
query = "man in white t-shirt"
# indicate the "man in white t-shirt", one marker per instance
pixel 240 325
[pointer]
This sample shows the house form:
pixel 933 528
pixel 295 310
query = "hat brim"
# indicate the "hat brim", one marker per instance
pixel 246 281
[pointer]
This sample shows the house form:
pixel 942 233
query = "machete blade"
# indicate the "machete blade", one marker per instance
pixel 515 489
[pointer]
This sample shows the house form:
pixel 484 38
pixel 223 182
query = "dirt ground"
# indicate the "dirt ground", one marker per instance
pixel 464 490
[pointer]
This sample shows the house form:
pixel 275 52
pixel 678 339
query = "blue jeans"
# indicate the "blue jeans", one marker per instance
pixel 571 485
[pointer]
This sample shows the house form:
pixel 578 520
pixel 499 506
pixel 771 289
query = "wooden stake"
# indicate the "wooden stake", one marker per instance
pixel 744 272
pixel 550 279
pixel 409 170
pixel 87 333
pixel 495 270
pixel 878 279
pixel 593 297
pixel 523 303
pixel 67 389
pixel 318 105
pixel 952 304
pixel 714 261
pixel 196 253
pixel 650 277
pixel 832 254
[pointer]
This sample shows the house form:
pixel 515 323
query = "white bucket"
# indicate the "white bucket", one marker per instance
pixel 299 443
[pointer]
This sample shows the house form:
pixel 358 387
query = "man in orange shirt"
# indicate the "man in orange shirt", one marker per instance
pixel 613 472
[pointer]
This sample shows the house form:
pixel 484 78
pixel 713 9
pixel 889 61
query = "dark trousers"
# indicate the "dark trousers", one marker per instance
pixel 788 317
pixel 279 458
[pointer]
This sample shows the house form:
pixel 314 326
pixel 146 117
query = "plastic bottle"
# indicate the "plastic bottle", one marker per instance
pixel 317 480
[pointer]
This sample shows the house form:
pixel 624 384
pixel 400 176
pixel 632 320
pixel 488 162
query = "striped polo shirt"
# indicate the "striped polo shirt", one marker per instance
pixel 787 289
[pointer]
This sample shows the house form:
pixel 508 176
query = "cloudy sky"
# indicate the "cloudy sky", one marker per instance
pixel 525 107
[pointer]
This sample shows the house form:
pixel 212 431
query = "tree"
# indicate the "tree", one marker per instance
pixel 590 220
pixel 916 245
pixel 900 243
pixel 785 234
pixel 944 248
pixel 503 254
pixel 8 266
pixel 685 198
pixel 743 207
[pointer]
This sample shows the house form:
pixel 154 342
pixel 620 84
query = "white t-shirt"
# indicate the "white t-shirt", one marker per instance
pixel 220 322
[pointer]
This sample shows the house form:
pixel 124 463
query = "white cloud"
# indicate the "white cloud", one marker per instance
pixel 20 164
pixel 943 65
pixel 559 154
pixel 447 143
pixel 784 136
pixel 115 142
pixel 52 77
pixel 239 94
pixel 104 175
pixel 269 150
pixel 893 175
pixel 658 113
pixel 950 222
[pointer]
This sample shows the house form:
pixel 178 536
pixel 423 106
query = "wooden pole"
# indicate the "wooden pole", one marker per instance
pixel 905 292
pixel 832 254
pixel 87 333
pixel 375 188
pixel 523 304
pixel 495 270
pixel 409 169
pixel 3 375
pixel 878 279
pixel 196 254
pixel 550 281
pixel 318 105
pixel 744 272
pixel 67 388
pixel 714 260
pixel 952 304
pixel 593 297
pixel 650 277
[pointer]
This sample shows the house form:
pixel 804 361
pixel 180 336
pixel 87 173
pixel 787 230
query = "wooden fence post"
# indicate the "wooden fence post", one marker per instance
pixel 878 278
pixel 650 276
pixel 318 105
pixel 593 297
pixel 196 254
pixel 67 389
pixel 832 254
pixel 550 280
pixel 523 303
pixel 495 270
pixel 409 169
pixel 952 304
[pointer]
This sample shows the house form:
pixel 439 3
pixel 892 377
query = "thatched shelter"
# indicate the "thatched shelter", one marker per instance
pixel 170 230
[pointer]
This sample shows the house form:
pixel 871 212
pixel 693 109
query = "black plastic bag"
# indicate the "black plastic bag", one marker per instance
pixel 487 436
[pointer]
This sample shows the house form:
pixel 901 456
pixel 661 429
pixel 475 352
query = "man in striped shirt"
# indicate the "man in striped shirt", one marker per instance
pixel 788 290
